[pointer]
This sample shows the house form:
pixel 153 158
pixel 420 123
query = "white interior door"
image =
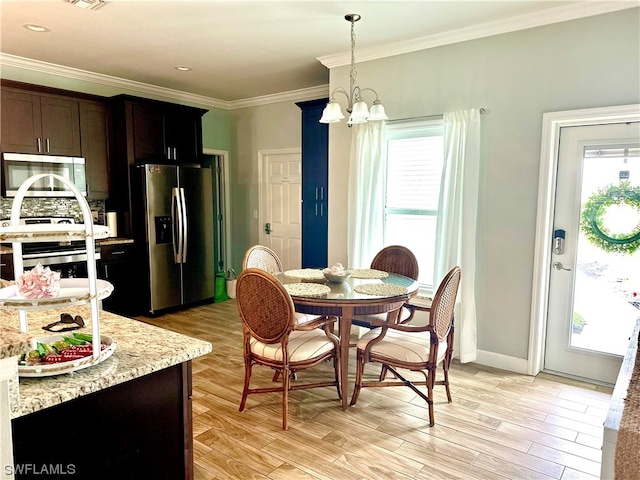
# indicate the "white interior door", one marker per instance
pixel 282 219
pixel 593 291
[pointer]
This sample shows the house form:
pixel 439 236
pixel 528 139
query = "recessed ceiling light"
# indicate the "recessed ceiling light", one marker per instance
pixel 88 4
pixel 35 28
pixel 183 68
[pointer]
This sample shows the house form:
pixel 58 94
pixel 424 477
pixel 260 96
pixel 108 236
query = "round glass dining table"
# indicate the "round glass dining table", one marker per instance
pixel 344 301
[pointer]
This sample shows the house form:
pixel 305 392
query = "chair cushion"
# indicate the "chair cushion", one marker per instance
pixel 404 314
pixel 304 317
pixel 403 346
pixel 302 346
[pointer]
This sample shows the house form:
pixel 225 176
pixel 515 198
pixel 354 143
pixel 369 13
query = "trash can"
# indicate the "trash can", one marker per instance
pixel 220 292
pixel 231 283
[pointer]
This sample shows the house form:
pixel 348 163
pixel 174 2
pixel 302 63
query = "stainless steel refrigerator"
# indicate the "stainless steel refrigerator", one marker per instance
pixel 179 234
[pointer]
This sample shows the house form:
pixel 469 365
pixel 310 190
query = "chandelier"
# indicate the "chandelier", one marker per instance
pixel 356 106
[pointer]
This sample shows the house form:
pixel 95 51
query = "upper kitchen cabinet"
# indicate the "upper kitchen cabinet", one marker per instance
pixel 148 131
pixel 94 129
pixel 40 124
pixel 159 131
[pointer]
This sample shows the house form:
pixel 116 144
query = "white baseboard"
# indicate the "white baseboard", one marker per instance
pixel 504 362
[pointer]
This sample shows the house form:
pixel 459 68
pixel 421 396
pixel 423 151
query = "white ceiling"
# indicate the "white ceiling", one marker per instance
pixel 242 50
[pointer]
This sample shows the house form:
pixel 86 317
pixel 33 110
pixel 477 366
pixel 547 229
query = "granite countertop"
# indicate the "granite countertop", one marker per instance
pixel 6 248
pixel 13 342
pixel 141 349
pixel 114 241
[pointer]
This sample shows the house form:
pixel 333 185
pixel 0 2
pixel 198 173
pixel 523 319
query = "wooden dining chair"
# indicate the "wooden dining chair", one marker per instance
pixel 259 256
pixel 413 347
pixel 401 261
pixel 272 338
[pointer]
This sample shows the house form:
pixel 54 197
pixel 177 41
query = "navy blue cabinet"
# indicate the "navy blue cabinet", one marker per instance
pixel 315 183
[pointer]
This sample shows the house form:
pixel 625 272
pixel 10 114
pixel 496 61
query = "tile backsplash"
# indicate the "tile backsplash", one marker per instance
pixel 53 207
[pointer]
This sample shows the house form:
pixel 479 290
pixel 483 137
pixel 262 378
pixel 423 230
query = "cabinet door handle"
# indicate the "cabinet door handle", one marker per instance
pixel 175 153
pixel 106 271
pixel 39 141
pixel 316 209
pixel 48 143
pixel 321 193
pixel 119 252
pixel 168 153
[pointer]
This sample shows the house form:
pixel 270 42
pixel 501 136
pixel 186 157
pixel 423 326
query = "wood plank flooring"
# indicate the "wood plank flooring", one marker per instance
pixel 500 424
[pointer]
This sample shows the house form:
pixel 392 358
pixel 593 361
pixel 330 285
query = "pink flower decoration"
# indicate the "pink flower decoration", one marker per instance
pixel 39 282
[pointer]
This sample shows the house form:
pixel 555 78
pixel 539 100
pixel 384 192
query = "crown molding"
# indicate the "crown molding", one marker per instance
pixel 300 95
pixel 156 91
pixel 573 11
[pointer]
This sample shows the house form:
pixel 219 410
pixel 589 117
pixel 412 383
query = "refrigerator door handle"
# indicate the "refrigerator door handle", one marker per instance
pixel 176 220
pixel 185 225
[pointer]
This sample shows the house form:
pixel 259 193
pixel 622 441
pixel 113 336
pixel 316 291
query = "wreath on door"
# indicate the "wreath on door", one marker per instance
pixel 591 218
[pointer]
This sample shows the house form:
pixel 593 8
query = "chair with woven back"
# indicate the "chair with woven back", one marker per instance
pixel 418 348
pixel 272 337
pixel 259 256
pixel 401 261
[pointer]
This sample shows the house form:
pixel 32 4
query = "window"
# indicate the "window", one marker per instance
pixel 415 156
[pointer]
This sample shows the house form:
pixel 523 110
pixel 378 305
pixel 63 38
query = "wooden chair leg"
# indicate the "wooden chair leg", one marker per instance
pixel 247 377
pixel 430 376
pixel 286 378
pixel 336 368
pixel 359 375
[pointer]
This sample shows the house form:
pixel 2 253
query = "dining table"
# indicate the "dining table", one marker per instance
pixel 364 292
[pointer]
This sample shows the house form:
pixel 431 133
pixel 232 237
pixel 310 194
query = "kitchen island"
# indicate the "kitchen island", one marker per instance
pixel 127 417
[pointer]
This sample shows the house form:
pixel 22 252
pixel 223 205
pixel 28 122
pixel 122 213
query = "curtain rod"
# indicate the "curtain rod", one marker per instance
pixel 427 117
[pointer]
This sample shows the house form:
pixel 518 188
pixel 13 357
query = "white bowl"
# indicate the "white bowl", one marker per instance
pixel 338 278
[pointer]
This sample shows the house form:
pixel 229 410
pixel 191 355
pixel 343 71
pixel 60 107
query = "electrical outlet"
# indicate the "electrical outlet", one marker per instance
pixel 94 215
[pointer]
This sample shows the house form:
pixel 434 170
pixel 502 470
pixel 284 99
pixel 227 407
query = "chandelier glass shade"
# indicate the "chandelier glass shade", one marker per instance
pixel 356 107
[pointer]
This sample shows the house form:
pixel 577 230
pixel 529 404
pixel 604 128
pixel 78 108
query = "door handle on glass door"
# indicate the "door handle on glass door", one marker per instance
pixel 559 266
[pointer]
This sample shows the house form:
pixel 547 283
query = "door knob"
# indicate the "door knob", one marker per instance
pixel 267 228
pixel 559 266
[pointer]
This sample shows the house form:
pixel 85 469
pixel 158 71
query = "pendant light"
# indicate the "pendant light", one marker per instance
pixel 356 107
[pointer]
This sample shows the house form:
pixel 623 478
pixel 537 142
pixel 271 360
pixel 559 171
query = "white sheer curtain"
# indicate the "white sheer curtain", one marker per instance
pixel 366 184
pixel 457 215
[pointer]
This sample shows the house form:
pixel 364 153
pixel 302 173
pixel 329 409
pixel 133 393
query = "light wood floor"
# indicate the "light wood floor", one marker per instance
pixel 500 424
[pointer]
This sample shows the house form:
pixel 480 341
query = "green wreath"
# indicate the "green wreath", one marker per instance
pixel 593 211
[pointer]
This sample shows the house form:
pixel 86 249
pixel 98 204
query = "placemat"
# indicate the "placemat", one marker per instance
pixel 306 289
pixel 306 274
pixel 368 273
pixel 380 289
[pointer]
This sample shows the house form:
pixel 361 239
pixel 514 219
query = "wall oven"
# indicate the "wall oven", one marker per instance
pixel 69 258
pixel 18 167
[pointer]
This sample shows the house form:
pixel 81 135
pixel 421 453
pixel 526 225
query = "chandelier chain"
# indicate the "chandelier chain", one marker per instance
pixel 354 72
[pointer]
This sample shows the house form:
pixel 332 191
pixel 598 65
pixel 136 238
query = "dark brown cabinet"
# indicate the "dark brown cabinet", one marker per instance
pixel 40 124
pixel 148 131
pixel 116 265
pixel 164 133
pixel 6 266
pixel 94 134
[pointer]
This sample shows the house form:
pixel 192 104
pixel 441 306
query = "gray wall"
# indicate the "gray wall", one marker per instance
pixel 516 77
pixel 269 127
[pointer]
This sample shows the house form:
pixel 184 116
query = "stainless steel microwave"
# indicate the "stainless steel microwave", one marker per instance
pixel 18 167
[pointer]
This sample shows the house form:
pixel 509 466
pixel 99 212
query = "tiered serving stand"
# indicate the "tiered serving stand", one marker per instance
pixel 73 291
